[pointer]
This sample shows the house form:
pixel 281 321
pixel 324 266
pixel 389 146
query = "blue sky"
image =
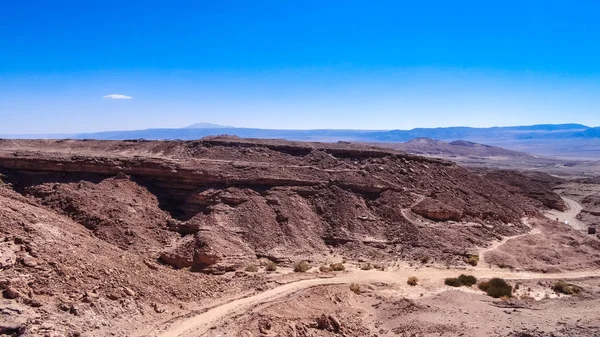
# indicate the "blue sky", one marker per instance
pixel 296 64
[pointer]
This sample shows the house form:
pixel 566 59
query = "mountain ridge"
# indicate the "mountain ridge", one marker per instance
pixel 568 140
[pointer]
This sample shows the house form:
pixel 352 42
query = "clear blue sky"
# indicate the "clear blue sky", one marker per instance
pixel 297 64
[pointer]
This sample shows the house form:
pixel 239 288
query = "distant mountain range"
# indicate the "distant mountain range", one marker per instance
pixel 565 140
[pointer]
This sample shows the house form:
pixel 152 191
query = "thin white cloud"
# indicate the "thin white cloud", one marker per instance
pixel 117 96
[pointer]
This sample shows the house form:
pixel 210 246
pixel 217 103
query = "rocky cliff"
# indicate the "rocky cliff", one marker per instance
pixel 217 204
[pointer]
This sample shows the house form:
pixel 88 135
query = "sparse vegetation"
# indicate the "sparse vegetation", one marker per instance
pixel 355 287
pixel 452 281
pixel 379 267
pixel 496 288
pixel 251 268
pixel 424 259
pixel 325 269
pixel 301 267
pixel 271 266
pixel 412 281
pixel 473 260
pixel 366 266
pixel 337 267
pixel 467 280
pixel 565 288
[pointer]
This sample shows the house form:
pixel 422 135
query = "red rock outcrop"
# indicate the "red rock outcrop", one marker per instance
pixel 217 204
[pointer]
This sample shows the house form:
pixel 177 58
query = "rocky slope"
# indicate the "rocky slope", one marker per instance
pixel 223 202
pixel 87 224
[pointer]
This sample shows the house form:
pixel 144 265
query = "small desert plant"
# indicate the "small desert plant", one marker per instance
pixel 483 285
pixel 563 287
pixel 366 266
pixel 355 287
pixel 251 268
pixel 497 288
pixel 452 281
pixel 473 260
pixel 301 267
pixel 271 266
pixel 325 269
pixel 337 267
pixel 424 259
pixel 467 280
pixel 412 281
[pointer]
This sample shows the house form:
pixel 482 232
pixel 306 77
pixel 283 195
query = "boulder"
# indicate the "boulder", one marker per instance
pixel 8 258
pixel 181 255
pixel 437 211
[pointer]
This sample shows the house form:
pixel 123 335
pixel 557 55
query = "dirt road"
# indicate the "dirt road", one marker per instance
pixel 200 324
pixel 569 215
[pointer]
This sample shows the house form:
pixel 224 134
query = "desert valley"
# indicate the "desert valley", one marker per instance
pixel 227 236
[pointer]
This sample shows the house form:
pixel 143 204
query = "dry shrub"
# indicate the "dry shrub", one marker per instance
pixel 366 266
pixel 412 281
pixel 337 267
pixel 498 288
pixel 473 260
pixel 251 268
pixel 565 288
pixel 355 287
pixel 325 269
pixel 452 281
pixel 301 267
pixel 271 266
pixel 467 280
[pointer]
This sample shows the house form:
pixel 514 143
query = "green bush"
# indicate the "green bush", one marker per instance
pixel 271 266
pixel 337 267
pixel 412 281
pixel 301 267
pixel 453 282
pixel 467 280
pixel 497 288
pixel 355 287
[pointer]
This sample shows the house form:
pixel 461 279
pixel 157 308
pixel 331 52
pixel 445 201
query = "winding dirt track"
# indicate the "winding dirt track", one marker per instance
pixel 569 215
pixel 199 324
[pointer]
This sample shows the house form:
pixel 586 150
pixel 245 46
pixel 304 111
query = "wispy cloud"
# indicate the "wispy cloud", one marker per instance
pixel 117 96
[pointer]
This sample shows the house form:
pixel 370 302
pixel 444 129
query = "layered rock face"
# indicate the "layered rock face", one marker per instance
pixel 218 204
